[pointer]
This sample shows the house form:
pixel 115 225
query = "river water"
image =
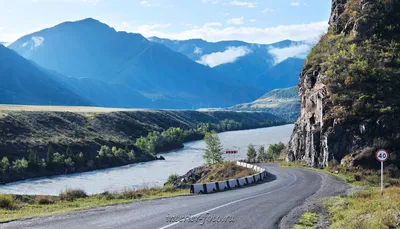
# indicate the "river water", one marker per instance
pixel 150 173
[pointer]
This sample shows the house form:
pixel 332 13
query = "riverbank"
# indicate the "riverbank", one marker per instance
pixel 14 207
pixel 38 144
pixel 152 173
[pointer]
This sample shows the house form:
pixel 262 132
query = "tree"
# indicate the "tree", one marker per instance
pixel 58 159
pixel 20 166
pixel 261 152
pixel 33 158
pixel 69 163
pixel 4 165
pixel 251 152
pixel 213 153
pixel 131 155
pixel 49 156
pixel 69 152
pixel 274 151
pixel 105 151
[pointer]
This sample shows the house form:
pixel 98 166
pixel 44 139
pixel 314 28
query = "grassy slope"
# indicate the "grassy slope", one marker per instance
pixel 366 209
pixel 225 171
pixel 282 102
pixel 87 131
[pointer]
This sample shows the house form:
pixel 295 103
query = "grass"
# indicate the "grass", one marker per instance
pixel 225 171
pixel 355 177
pixel 366 209
pixel 34 206
pixel 307 221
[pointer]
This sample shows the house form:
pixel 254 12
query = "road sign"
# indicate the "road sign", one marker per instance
pixel 382 156
pixel 231 152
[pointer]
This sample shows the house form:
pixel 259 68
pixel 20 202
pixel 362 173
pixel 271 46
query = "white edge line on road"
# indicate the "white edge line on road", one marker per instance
pixel 233 202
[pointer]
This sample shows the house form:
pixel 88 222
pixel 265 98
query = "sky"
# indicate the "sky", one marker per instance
pixel 255 21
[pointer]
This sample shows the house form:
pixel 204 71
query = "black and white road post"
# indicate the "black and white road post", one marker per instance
pixel 382 156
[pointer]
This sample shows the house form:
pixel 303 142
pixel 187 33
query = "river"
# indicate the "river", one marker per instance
pixel 150 173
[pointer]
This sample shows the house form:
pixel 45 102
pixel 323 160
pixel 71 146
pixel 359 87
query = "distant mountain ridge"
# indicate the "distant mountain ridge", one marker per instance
pixel 257 67
pixel 284 103
pixel 91 49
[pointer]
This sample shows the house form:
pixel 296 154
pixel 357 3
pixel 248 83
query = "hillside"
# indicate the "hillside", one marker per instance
pixel 256 66
pixel 119 58
pixel 75 139
pixel 284 103
pixel 23 82
pixel 349 88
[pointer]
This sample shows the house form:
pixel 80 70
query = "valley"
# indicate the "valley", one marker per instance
pixel 34 142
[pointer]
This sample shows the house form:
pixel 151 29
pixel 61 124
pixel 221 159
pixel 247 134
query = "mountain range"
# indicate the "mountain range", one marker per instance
pixel 104 67
pixel 23 82
pixel 253 64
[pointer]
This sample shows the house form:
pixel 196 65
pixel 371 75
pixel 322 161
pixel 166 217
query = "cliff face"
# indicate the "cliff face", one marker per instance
pixel 348 87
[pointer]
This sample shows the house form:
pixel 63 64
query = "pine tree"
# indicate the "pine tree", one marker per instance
pixel 213 153
pixel 69 152
pixel 261 152
pixel 33 158
pixel 251 152
pixel 4 165
pixel 50 155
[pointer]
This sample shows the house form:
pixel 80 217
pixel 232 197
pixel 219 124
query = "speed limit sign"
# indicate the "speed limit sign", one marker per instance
pixel 382 155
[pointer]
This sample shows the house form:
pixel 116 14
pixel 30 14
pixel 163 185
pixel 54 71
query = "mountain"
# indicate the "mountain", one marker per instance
pixel 284 103
pixel 4 43
pixel 23 82
pixel 93 50
pixel 350 102
pixel 255 65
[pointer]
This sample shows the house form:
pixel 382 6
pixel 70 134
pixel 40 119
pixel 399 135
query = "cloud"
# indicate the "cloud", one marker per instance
pixel 236 21
pixel 295 4
pixel 252 20
pixel 214 32
pixel 281 54
pixel 230 55
pixel 37 41
pixel 198 51
pixel 148 4
pixel 267 10
pixel 242 3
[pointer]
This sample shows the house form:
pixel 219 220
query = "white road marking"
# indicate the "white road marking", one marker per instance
pixel 233 202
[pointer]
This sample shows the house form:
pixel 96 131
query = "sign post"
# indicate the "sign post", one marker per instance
pixel 382 156
pixel 234 152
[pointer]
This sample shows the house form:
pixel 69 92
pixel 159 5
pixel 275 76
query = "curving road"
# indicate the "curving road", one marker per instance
pixel 261 206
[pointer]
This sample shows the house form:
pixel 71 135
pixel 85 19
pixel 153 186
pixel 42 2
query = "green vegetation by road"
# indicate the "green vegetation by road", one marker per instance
pixel 367 208
pixel 18 207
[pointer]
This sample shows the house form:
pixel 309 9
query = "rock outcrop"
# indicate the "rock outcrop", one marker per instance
pixel 341 114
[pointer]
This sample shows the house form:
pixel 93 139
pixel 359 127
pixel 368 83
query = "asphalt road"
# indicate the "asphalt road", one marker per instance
pixel 260 206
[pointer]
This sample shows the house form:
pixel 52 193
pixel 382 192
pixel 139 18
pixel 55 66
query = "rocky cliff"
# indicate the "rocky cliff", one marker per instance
pixel 348 88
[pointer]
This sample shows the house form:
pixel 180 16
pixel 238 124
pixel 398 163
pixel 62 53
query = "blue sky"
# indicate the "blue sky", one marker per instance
pixel 259 21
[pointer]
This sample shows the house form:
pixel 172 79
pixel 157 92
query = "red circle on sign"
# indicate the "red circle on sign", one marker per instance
pixel 378 158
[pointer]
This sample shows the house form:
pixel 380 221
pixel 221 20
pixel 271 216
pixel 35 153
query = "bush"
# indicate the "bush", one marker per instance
pixel 44 200
pixel 6 202
pixel 169 188
pixel 72 194
pixel 172 178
